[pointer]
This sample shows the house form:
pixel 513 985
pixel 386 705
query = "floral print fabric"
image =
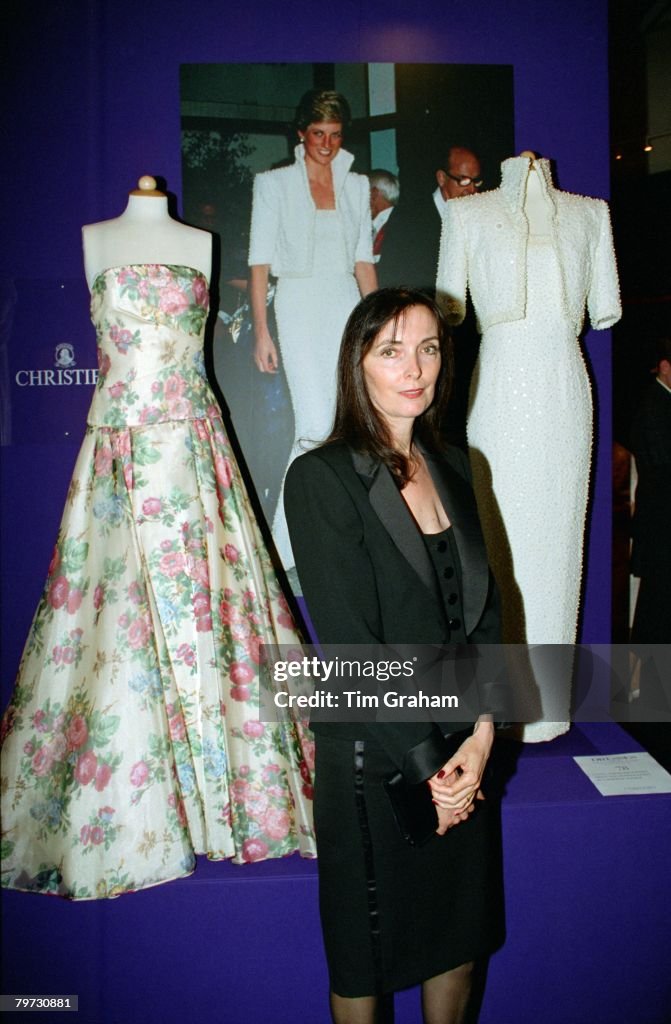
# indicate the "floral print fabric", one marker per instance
pixel 133 740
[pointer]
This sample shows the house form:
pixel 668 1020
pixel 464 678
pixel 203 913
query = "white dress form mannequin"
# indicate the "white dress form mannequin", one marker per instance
pixel 145 233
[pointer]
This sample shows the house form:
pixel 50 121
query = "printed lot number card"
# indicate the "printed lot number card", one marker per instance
pixel 625 774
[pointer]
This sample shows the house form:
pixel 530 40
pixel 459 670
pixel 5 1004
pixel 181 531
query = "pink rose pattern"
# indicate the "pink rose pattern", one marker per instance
pixel 149 377
pixel 65 751
pixel 137 700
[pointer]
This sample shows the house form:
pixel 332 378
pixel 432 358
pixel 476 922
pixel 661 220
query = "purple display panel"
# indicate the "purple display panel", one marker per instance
pixel 52 361
pixel 51 369
pixel 587 887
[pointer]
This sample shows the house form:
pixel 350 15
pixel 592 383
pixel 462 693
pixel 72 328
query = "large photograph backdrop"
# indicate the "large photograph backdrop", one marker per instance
pixel 237 120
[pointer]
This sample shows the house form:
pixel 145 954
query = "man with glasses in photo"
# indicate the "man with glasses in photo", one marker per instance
pixel 459 176
pixel 412 237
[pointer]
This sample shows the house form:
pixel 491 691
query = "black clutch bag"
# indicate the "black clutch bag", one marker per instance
pixel 412 804
pixel 413 808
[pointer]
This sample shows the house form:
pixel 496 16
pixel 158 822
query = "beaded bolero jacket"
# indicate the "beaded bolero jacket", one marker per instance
pixel 484 249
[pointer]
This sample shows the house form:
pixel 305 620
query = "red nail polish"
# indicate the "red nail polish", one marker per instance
pixel 441 774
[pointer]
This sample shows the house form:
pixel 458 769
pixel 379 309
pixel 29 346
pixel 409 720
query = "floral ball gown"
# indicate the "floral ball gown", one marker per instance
pixel 133 740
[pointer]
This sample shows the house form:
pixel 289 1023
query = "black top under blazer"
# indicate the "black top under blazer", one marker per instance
pixel 367 577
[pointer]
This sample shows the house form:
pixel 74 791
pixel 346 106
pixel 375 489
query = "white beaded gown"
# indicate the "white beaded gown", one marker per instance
pixel 530 439
pixel 133 740
pixel 530 424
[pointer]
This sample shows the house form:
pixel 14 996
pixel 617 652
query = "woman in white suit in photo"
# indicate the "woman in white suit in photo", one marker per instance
pixel 311 229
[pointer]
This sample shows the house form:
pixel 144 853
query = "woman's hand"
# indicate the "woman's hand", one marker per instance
pixel 265 353
pixel 456 786
pixel 447 817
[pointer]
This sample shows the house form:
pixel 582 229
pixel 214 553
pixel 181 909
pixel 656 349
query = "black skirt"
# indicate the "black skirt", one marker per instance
pixel 394 915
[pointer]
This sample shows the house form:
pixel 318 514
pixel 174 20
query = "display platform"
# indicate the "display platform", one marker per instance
pixel 587 893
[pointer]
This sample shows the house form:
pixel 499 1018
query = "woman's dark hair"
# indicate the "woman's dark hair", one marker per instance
pixel 322 105
pixel 357 422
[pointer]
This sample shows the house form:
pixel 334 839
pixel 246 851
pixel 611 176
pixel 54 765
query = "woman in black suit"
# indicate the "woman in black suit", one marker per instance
pixel 388 549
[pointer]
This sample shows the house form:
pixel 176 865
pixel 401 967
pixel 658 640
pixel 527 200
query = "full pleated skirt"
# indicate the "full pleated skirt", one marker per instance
pixel 134 739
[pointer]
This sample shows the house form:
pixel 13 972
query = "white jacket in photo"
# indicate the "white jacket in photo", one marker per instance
pixel 283 216
pixel 484 248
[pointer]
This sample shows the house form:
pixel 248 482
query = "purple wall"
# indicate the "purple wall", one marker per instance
pixel 95 103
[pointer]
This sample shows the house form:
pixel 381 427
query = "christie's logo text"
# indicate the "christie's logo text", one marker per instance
pixel 66 372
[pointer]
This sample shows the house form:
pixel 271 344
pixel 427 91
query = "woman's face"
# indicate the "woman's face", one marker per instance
pixel 322 141
pixel 401 368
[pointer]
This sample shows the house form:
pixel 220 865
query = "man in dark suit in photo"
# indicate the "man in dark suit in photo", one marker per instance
pixel 412 237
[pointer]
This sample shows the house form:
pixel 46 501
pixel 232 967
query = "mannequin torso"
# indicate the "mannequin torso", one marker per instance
pixel 145 233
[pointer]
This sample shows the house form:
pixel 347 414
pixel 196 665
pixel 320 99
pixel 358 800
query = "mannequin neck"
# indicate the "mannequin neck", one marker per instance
pixel 145 233
pixel 146 209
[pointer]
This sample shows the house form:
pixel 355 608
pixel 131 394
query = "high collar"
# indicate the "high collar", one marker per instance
pixel 340 166
pixel 514 175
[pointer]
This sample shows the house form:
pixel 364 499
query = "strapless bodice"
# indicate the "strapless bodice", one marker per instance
pixel 149 321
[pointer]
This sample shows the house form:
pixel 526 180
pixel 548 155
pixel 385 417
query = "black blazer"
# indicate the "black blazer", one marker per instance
pixel 367 577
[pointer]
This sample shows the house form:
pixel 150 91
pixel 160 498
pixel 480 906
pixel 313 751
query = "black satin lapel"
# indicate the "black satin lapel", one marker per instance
pixel 365 465
pixel 459 503
pixel 393 513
